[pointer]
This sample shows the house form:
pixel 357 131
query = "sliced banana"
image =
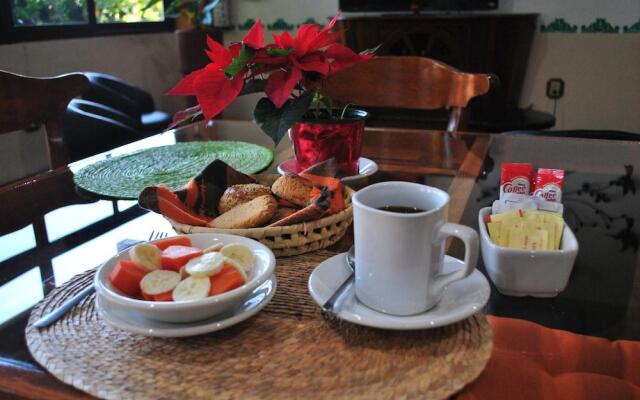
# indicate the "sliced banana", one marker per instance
pixel 205 265
pixel 183 273
pixel 215 247
pixel 192 288
pixel 159 281
pixel 237 266
pixel 146 255
pixel 240 253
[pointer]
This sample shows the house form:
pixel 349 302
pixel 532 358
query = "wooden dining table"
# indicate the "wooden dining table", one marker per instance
pixel 45 220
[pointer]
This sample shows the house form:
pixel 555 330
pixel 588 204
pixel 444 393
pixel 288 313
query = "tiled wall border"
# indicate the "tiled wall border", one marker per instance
pixel 600 25
pixel 559 25
pixel 279 24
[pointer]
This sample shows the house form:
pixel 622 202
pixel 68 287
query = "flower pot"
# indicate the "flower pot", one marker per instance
pixel 319 137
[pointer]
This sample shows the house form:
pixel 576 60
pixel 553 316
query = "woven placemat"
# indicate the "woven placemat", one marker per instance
pixel 290 349
pixel 125 176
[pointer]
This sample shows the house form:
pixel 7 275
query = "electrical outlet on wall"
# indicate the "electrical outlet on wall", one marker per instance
pixel 555 88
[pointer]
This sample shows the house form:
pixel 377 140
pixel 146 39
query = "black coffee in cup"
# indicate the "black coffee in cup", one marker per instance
pixel 401 209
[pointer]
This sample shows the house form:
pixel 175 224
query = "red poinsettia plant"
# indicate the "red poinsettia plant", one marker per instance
pixel 289 71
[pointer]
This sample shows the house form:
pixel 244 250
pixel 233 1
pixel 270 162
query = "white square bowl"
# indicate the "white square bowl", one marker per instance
pixel 537 273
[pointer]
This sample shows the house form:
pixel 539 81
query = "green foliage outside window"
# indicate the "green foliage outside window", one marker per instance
pixel 50 12
pixel 58 12
pixel 127 11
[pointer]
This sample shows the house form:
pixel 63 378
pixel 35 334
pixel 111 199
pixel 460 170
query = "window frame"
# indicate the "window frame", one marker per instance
pixel 9 33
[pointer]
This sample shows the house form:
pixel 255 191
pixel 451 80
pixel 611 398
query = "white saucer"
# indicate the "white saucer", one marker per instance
pixel 133 322
pixel 460 299
pixel 366 168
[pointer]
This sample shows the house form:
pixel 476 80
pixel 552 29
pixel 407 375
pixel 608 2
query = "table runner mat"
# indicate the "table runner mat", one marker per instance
pixel 290 349
pixel 124 177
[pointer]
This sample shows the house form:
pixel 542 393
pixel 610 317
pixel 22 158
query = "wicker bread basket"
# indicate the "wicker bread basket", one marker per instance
pixel 292 239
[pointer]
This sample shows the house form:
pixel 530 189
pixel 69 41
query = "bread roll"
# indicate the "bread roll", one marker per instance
pixel 294 189
pixel 238 194
pixel 251 214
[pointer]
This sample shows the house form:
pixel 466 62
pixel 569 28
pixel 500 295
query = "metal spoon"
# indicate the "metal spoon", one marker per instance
pixel 333 305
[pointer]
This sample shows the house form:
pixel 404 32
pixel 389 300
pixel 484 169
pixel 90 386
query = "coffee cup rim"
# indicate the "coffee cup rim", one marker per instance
pixel 356 201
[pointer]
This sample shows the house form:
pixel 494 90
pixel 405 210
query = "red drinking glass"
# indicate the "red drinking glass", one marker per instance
pixel 316 140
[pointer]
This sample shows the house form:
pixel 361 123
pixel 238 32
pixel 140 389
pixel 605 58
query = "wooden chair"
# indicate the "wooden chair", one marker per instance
pixel 26 102
pixel 407 82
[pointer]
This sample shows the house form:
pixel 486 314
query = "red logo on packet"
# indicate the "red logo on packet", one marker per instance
pixel 548 184
pixel 516 178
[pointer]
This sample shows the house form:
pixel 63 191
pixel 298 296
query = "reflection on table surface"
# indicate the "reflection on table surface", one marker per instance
pixel 601 197
pixel 73 233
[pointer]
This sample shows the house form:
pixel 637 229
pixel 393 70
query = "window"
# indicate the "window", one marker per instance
pixel 24 20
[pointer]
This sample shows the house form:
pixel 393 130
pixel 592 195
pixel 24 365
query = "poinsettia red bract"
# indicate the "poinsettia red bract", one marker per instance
pixel 290 63
pixel 211 85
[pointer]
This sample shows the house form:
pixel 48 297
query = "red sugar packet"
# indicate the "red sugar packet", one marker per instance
pixel 515 178
pixel 548 184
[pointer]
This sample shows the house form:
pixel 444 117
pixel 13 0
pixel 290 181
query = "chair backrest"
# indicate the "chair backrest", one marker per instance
pixel 26 102
pixel 407 82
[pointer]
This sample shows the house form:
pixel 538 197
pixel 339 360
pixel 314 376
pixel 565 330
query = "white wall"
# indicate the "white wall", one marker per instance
pixel 601 70
pixel 147 60
pixel 602 79
pixel 578 12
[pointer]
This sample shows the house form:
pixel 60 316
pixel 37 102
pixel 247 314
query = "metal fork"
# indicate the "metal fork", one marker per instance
pixel 56 314
pixel 157 235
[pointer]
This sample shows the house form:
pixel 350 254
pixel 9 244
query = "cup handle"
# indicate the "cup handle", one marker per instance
pixel 470 239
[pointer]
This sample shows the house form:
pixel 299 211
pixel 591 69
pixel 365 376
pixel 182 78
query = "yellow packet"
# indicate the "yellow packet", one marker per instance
pixel 531 229
pixel 506 227
pixel 494 231
pixel 528 239
pixel 543 226
pixel 549 217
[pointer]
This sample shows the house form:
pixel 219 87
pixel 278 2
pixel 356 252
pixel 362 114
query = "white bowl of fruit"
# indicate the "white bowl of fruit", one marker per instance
pixel 185 278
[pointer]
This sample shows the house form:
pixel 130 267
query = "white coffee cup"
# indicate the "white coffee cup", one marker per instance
pixel 399 256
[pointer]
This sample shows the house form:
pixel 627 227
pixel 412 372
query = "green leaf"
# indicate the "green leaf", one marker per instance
pixel 324 100
pixel 239 62
pixel 275 122
pixel 177 8
pixel 371 50
pixel 254 86
pixel 277 52
pixel 344 110
pixel 150 4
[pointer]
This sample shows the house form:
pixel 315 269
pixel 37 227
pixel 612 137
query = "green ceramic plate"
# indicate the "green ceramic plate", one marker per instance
pixel 123 177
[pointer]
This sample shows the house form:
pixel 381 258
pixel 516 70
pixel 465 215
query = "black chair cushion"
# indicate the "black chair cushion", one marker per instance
pixel 91 128
pixel 101 111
